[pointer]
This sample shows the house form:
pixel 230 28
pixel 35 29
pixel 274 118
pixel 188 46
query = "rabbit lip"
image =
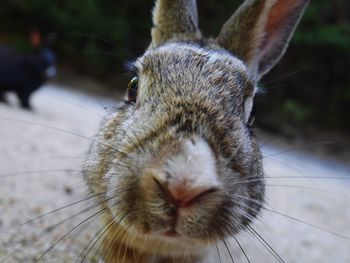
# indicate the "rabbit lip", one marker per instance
pixel 171 233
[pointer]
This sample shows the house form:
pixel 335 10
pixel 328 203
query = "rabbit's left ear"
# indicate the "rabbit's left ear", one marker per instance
pixel 260 30
pixel 175 20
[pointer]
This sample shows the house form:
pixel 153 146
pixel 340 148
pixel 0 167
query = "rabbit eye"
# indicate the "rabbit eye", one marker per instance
pixel 132 89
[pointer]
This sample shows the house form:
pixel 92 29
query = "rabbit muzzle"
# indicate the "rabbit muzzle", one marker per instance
pixel 182 190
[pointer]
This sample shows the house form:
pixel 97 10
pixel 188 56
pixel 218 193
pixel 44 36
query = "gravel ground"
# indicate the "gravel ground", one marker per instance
pixel 40 159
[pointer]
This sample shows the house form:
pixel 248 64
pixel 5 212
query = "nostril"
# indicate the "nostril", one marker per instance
pixel 184 194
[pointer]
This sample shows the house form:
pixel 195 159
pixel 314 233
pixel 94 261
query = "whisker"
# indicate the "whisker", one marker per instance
pixel 265 244
pixel 102 53
pixel 244 213
pixel 291 177
pixel 270 140
pixel 68 233
pixel 240 246
pixel 217 249
pixel 309 177
pixel 84 106
pixel 61 208
pixel 140 251
pixel 299 147
pixel 81 230
pixel 64 131
pixel 126 244
pixel 89 247
pixel 55 158
pixel 132 137
pixel 285 85
pixel 120 220
pixel 131 56
pixel 38 172
pixel 102 233
pixel 252 219
pixel 299 70
pixel 122 237
pixel 228 251
pixel 290 217
pixel 242 197
pixel 309 188
pixel 115 239
pixel 307 223
pixel 46 126
pixel 52 227
pixel 286 164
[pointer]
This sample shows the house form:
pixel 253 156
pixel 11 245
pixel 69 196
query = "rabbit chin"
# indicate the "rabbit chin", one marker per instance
pixel 163 244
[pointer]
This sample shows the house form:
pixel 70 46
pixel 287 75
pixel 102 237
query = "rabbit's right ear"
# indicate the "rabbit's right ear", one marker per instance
pixel 260 30
pixel 175 20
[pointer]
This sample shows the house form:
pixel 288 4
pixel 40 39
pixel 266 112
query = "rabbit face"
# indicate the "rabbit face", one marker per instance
pixel 179 155
pixel 176 168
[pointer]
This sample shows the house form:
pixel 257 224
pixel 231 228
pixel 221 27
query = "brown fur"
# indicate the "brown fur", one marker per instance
pixel 190 89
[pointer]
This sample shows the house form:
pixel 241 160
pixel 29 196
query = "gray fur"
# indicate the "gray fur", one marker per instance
pixel 188 90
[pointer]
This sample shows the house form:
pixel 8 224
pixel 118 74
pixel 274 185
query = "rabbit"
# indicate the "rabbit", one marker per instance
pixel 177 169
pixel 25 73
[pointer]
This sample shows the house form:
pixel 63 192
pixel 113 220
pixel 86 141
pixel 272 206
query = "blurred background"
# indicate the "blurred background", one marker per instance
pixel 308 90
pixel 303 111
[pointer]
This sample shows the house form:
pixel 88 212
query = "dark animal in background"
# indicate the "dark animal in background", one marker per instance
pixel 25 73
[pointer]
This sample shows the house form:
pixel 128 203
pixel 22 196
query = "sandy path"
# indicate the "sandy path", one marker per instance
pixel 39 171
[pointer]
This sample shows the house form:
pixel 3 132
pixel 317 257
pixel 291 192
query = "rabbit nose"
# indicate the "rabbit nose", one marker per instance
pixel 184 194
pixel 189 175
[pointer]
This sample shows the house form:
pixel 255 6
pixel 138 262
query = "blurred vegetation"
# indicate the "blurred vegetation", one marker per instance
pixel 309 88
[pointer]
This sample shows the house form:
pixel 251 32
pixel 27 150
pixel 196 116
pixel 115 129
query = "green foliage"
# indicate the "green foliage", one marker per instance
pixel 337 36
pixel 296 112
pixel 323 24
pixel 88 29
pixel 22 45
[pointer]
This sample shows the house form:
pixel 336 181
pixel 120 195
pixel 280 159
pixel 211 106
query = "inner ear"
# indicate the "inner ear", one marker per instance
pixel 278 18
pixel 260 30
pixel 278 30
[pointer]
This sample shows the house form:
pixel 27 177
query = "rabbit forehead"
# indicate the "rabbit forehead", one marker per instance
pixel 187 53
pixel 184 61
pixel 180 69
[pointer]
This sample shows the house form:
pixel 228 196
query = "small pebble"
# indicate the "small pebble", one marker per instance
pixel 68 190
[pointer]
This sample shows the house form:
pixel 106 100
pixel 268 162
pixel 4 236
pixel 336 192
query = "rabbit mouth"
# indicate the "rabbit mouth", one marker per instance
pixel 171 233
